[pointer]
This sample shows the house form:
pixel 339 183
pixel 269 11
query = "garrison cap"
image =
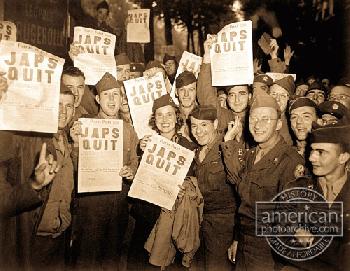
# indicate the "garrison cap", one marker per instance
pixel 287 83
pixel 263 78
pixel 154 64
pixel 185 78
pixel 107 82
pixel 205 113
pixel 163 101
pixel 301 102
pixel 262 99
pixel 122 59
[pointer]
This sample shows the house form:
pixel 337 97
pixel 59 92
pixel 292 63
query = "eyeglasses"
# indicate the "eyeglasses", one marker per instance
pixel 339 97
pixel 263 121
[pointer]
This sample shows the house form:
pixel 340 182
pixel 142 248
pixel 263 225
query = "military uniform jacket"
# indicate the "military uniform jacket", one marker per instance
pixel 217 192
pixel 261 181
pixel 337 256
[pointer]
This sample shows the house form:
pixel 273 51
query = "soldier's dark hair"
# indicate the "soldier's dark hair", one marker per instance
pixel 344 147
pixel 73 71
pixel 103 4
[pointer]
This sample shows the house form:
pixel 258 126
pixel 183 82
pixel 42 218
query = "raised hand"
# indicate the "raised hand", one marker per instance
pixel 127 173
pixel 46 169
pixel 144 141
pixel 288 53
pixel 234 130
pixel 211 39
pixel 274 48
pixel 257 67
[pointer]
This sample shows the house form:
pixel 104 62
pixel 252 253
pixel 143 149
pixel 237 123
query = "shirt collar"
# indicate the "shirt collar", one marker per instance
pixel 336 185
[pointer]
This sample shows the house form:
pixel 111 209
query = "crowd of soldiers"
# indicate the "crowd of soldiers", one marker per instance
pixel 250 142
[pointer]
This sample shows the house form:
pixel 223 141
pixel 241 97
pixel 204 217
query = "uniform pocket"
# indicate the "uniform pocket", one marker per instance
pixel 262 191
pixel 216 176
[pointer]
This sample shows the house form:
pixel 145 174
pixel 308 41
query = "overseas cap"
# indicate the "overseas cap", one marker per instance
pixel 122 59
pixel 287 83
pixel 153 64
pixel 205 113
pixel 301 102
pixel 263 78
pixel 185 78
pixel 163 101
pixel 262 99
pixel 107 82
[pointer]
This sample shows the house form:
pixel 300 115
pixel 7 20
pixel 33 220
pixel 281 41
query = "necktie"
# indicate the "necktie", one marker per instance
pixel 202 153
pixel 260 153
pixel 60 143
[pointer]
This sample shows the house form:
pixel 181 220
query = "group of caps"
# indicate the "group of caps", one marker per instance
pixel 337 127
pixel 336 130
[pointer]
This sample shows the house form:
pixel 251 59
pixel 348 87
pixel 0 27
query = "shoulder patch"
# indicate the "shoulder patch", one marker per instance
pixel 299 171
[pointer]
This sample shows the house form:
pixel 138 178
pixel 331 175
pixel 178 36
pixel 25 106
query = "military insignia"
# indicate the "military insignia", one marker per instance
pixel 299 171
pixel 265 78
pixel 335 107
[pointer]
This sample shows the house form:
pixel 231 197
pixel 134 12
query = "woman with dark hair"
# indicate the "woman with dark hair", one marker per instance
pixel 166 121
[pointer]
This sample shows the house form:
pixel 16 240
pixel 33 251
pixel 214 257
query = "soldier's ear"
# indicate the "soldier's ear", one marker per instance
pixel 97 98
pixel 279 125
pixel 344 158
pixel 216 122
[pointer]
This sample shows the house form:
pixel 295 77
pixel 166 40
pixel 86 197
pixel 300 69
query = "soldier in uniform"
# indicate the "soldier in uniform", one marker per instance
pixel 340 93
pixel 302 114
pixel 282 90
pixel 330 112
pixel 219 198
pixel 330 156
pixel 259 176
pixel 262 81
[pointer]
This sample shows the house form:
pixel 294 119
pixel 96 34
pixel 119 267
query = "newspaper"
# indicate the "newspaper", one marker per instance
pixel 163 167
pixel 232 55
pixel 32 98
pixel 97 53
pixel 100 155
pixel 141 93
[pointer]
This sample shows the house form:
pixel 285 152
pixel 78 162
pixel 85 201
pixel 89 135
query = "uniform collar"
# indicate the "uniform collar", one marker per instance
pixel 336 186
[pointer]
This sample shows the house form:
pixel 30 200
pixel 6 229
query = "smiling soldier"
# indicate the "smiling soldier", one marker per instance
pixel 259 177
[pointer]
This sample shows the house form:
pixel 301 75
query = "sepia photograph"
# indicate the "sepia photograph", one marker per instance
pixel 177 135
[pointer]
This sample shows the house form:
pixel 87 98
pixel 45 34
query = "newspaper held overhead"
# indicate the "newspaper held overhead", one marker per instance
pixel 141 93
pixel 138 26
pixel 32 98
pixel 163 167
pixel 188 62
pixel 100 155
pixel 232 55
pixel 97 53
pixel 7 31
